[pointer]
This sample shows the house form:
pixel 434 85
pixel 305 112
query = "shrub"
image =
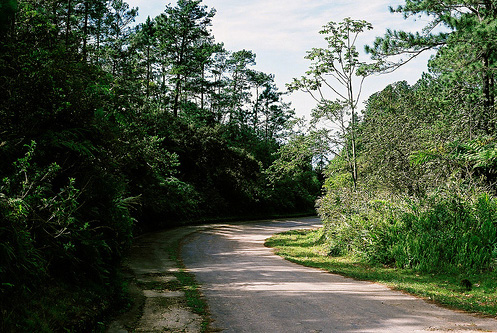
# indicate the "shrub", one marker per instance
pixel 48 231
pixel 449 233
pixel 443 231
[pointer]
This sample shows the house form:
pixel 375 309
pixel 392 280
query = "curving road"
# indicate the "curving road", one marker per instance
pixel 249 289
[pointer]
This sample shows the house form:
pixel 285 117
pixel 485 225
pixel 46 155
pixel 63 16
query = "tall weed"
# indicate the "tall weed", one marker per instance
pixel 449 233
pixel 443 231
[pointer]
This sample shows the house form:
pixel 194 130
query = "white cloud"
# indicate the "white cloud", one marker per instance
pixel 268 25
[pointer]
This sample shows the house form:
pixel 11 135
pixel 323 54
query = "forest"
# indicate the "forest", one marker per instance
pixel 110 129
pixel 412 179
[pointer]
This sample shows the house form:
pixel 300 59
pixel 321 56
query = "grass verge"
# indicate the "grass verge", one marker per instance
pixel 189 286
pixel 475 293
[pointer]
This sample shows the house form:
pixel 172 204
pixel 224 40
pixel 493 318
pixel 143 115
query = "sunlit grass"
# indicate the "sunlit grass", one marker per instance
pixel 306 247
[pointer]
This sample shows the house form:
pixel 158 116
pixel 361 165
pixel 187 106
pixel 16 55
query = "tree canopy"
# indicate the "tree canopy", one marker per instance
pixel 111 129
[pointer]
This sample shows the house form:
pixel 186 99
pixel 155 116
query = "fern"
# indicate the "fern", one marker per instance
pixel 423 157
pixel 74 140
pixel 480 153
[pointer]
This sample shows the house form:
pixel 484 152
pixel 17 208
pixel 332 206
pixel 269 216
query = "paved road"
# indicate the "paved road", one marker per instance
pixel 249 289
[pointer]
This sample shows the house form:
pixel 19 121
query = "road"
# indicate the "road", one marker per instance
pixel 250 289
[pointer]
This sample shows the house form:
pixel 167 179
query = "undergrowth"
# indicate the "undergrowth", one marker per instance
pixel 441 232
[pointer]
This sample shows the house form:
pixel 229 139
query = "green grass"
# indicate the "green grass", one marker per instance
pixel 189 286
pixel 306 247
pixel 191 289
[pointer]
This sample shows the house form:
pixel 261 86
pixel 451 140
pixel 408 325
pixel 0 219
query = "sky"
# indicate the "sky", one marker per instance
pixel 280 32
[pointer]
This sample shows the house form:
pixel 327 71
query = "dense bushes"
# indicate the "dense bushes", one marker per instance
pixel 106 133
pixel 442 231
pixel 447 233
pixel 51 226
pixel 426 195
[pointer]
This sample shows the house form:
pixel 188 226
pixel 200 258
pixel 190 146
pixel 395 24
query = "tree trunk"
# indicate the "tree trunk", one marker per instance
pixel 486 95
pixel 202 88
pixel 353 162
pixel 350 89
pixel 176 95
pixel 148 72
pixel 256 108
pixel 85 30
pixel 98 32
pixel 68 22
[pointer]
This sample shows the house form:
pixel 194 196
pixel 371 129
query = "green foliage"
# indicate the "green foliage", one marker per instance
pixel 225 176
pixel 448 234
pixel 418 204
pixel 24 196
pixel 480 154
pixel 188 21
pixel 43 230
pixel 109 131
pixel 462 33
pixel 474 159
pixel 293 182
pixel 442 232
pixel 393 126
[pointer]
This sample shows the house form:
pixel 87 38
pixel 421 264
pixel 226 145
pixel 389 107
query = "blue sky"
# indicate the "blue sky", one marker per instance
pixel 281 31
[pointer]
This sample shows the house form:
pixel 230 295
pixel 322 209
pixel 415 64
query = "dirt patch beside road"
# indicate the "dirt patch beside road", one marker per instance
pixel 159 304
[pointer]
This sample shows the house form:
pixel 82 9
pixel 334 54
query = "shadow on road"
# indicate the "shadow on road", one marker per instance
pixel 249 289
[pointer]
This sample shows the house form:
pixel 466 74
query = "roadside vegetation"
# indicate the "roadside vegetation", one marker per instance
pixel 110 129
pixel 188 284
pixel 409 195
pixel 473 291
